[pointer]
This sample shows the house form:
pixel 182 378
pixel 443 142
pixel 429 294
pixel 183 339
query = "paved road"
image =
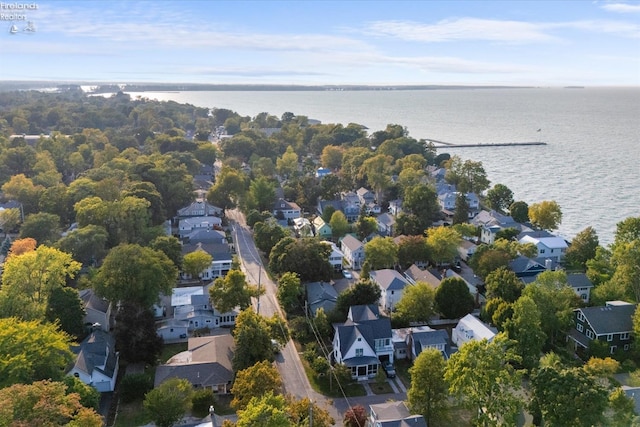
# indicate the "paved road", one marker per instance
pixel 288 361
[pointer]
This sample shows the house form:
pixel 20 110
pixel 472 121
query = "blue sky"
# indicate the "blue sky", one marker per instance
pixel 540 43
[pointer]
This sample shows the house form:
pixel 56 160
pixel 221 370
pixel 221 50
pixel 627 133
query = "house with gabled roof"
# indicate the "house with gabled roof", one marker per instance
pixel 415 274
pixel 419 338
pixel 386 224
pixel 207 364
pixel 97 361
pixel 393 414
pixel 363 341
pixel 353 250
pixel 320 295
pixel 322 229
pixel 526 267
pixel 336 256
pixel 392 285
pixel 549 246
pixel 199 208
pixel 581 284
pixel 97 310
pixel 611 324
pixel 491 222
pixel 188 225
pixel 471 328
pixel 220 264
pixel 288 210
pixel 191 305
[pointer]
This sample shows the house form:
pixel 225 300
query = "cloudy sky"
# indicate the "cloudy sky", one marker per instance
pixel 542 43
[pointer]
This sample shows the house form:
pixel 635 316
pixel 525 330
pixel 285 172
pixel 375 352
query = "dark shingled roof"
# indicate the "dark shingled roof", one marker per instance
pixel 610 319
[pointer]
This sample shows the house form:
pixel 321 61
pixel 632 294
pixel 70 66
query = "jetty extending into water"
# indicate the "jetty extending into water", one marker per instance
pixel 489 144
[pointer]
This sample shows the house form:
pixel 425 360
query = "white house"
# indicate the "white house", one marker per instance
pixel 97 362
pixel 393 414
pixel 302 227
pixel 548 246
pixel 391 285
pixel 466 249
pixel 288 210
pixel 581 285
pixel 353 251
pixel 97 310
pixel 363 341
pixel 187 225
pixel 335 257
pixel 191 304
pixel 471 328
pixel 220 264
pixel 199 208
pixel 386 224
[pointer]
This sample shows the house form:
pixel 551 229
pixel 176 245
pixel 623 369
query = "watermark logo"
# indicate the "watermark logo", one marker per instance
pixel 18 15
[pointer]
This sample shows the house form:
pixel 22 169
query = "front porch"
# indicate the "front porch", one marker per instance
pixel 363 367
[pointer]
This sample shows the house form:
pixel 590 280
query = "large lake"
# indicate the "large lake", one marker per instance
pixel 591 165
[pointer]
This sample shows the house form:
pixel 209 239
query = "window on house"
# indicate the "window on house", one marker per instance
pixel 612 349
pixel 579 327
pixel 359 352
pixel 580 316
pixel 609 337
pixel 590 334
pixel 624 336
pixel 626 347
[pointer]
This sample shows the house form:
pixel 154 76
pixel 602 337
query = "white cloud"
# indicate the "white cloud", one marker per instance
pixel 622 7
pixel 463 29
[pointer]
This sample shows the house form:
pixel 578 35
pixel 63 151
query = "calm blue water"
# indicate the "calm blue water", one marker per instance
pixel 591 165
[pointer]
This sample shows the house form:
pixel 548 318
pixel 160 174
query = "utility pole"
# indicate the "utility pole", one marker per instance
pixel 259 277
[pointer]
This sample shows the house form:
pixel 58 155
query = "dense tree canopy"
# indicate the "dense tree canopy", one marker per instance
pixel 232 291
pixel 168 403
pixel 428 392
pixel 453 298
pixel 308 257
pixel 545 215
pixel 255 381
pixel 252 336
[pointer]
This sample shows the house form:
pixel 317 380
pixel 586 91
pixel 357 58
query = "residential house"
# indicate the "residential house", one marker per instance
pixel 199 208
pixel 97 362
pixel 302 227
pixel 172 329
pixel 353 250
pixel 391 284
pixel 549 246
pixel 365 196
pixel 323 230
pixel 97 311
pixel 336 256
pixel 320 295
pixel 581 285
pixel 386 224
pixel 395 207
pixel 393 414
pixel 283 209
pixel 207 364
pixel 466 249
pixel 491 222
pixel 220 264
pixel 187 226
pixel 191 305
pixel 524 267
pixel 471 328
pixel 203 235
pixel 363 341
pixel 611 324
pixel 415 274
pixel 418 338
pixel 447 202
pixel 322 172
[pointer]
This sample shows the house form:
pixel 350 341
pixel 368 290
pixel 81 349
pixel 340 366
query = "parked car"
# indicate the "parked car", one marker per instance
pixel 347 274
pixel 389 369
pixel 275 345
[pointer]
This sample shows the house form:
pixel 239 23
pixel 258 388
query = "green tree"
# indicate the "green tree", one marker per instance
pixel 301 411
pixel 86 244
pixel 627 231
pixel 196 262
pixel 583 248
pixel 136 335
pixel 44 403
pixel 412 249
pixel 623 408
pixel 377 170
pixel 255 381
pixel 32 351
pixel 626 260
pixel 428 392
pixel 487 259
pixel 29 279
pixel 381 252
pixel 267 234
pixel 339 225
pixel 228 189
pixel 308 257
pixel 482 379
pixel 231 291
pixel 23 190
pixel 599 268
pixel 332 157
pixel 519 211
pixel 169 402
pixel 66 307
pixel 422 201
pixel 503 283
pixel 171 247
pixel 443 244
pixel 500 197
pixel 262 194
pixel 365 226
pixel 525 328
pixel 289 292
pixel 363 292
pixel 89 396
pixel 44 227
pixel 461 214
pixel 417 304
pixel 252 336
pixel 453 298
pixel 9 219
pixel 545 215
pixel 468 176
pixel 267 410
pixel 287 164
pixel 136 274
pixel 568 397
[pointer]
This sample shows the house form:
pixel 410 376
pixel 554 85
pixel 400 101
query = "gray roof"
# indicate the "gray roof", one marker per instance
pixel 91 300
pixel 206 236
pixel 363 313
pixel 351 242
pixel 422 340
pixel 579 280
pixel 389 279
pixel 386 219
pixel 525 266
pixel 396 414
pixel 96 350
pixel 610 319
pixel 369 327
pixel 219 251
pixel 321 294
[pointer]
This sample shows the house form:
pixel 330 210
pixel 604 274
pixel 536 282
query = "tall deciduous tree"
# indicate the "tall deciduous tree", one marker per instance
pixel 339 224
pixel 421 201
pixel 45 403
pixel 32 351
pixel 545 215
pixel 288 163
pixel 500 197
pixel 262 194
pixel 461 214
pixel 136 335
pixel 525 328
pixel 583 248
pixel 232 291
pixel 171 247
pixel 519 211
pixel 196 262
pixel 229 188
pixel 469 176
pixel 169 402
pixel 136 274
pixel 267 410
pixel 412 249
pixel 66 307
pixel 453 298
pixel 381 252
pixel 289 291
pixel 304 411
pixel 482 379
pixel 417 304
pixel 332 157
pixel 308 257
pixel 364 292
pixel 255 381
pixel 267 234
pixel 503 283
pixel 86 244
pixel 42 226
pixel 443 244
pixel 252 336
pixel 428 392
pixel 377 171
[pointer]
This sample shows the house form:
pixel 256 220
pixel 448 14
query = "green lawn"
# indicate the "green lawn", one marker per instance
pixel 169 350
pixel 131 415
pixel 381 388
pixel 329 387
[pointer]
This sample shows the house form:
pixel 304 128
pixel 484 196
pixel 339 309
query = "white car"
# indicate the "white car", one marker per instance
pixel 347 274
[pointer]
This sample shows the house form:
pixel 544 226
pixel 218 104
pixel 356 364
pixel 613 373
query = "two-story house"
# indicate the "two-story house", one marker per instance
pixel 97 361
pixel 363 341
pixel 336 256
pixel 391 284
pixel 323 230
pixel 199 208
pixel 188 225
pixel 393 414
pixel 471 328
pixel 353 251
pixel 408 343
pixel 386 224
pixel 549 246
pixel 283 209
pixel 491 222
pixel 611 325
